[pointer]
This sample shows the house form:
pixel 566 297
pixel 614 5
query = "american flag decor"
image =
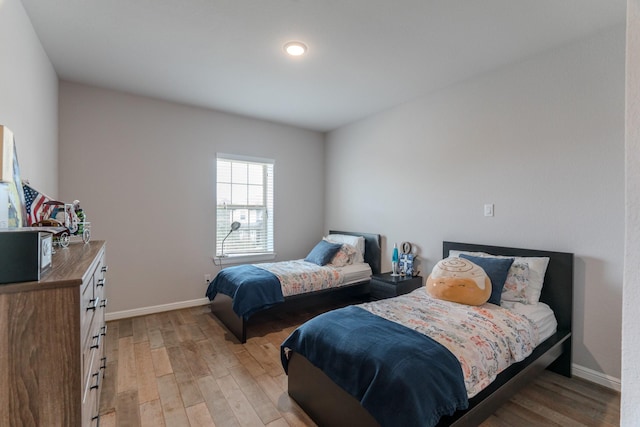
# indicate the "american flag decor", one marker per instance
pixel 35 202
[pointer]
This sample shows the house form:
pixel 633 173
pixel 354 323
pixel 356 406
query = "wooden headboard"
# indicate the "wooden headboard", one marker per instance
pixel 557 291
pixel 372 250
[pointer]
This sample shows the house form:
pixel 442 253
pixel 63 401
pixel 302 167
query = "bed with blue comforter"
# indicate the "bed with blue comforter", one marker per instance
pixel 238 293
pixel 383 365
pixel 409 361
pixel 251 288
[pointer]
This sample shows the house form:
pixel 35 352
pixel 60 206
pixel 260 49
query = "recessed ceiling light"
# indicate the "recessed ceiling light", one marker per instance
pixel 295 48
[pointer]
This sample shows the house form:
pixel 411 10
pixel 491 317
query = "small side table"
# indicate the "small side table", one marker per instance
pixel 387 286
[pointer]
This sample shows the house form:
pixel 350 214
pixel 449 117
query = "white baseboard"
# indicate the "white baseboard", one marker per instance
pixel 116 315
pixel 596 377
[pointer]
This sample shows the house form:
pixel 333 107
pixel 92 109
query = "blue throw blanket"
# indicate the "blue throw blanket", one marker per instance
pixel 402 377
pixel 251 288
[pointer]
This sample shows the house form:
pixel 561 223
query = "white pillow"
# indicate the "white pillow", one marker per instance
pixel 356 241
pixel 515 286
pixel 524 280
pixel 537 268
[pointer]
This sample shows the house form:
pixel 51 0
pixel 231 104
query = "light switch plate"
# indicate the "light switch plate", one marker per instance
pixel 488 209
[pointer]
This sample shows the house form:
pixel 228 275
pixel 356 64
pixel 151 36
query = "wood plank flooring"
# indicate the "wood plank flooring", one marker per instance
pixel 183 368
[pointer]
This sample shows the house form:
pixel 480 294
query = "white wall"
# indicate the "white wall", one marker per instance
pixel 144 171
pixel 629 408
pixel 542 139
pixel 29 97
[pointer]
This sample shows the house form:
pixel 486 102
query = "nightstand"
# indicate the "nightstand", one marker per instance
pixel 386 286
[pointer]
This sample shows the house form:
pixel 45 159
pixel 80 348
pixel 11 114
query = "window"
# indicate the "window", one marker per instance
pixel 244 194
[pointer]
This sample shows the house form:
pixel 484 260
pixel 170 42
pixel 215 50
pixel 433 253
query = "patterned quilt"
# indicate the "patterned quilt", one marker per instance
pixel 300 277
pixel 485 339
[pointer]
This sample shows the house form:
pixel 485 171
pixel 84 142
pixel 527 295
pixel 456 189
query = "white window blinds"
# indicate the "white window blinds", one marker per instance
pixel 244 195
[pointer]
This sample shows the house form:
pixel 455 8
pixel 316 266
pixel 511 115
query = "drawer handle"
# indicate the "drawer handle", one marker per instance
pixel 97 384
pixel 103 365
pixel 102 282
pixel 103 304
pixel 96 418
pixel 93 304
pixel 104 268
pixel 97 341
pixel 103 330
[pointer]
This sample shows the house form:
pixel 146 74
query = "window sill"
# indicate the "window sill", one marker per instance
pixel 243 259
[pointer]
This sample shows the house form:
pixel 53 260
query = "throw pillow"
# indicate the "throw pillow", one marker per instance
pixel 459 280
pixel 496 269
pixel 323 252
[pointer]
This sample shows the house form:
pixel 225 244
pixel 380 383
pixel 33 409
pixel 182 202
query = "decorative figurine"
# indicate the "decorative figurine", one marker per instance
pixel 80 214
pixel 394 260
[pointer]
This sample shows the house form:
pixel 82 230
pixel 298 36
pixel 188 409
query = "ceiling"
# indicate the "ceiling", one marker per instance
pixel 364 56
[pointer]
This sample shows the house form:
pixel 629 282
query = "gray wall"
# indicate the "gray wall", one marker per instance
pixel 29 97
pixel 542 139
pixel 144 171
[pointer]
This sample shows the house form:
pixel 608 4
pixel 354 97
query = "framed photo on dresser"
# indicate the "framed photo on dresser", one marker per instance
pixel 13 212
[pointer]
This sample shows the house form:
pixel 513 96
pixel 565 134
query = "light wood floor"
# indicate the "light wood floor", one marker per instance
pixel 182 368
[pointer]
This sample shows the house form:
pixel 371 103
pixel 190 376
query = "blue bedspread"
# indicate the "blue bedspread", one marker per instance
pixel 402 377
pixel 251 288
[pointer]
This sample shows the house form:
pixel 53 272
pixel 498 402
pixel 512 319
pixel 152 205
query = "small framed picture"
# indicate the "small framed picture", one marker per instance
pixel 14 213
pixel 406 264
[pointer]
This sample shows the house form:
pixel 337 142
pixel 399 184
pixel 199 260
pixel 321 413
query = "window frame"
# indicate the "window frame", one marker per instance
pixel 268 206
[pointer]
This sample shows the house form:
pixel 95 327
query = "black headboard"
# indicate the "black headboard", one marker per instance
pixel 557 291
pixel 372 251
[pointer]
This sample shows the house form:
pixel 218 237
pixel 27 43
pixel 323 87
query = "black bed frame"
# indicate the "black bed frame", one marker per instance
pixel 327 404
pixel 221 306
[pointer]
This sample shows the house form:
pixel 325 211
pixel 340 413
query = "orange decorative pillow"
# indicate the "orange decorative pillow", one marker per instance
pixel 459 280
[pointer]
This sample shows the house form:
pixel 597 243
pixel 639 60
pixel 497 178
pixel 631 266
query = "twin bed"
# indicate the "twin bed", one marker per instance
pixel 337 385
pixel 327 403
pixel 302 283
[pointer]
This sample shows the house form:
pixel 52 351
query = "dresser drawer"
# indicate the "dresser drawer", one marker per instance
pixel 100 276
pixel 94 345
pixel 91 395
pixel 95 364
pixel 88 306
pixel 90 350
pixel 92 299
pixel 93 332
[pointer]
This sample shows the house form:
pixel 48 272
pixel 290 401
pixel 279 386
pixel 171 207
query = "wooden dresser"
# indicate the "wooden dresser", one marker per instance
pixel 52 342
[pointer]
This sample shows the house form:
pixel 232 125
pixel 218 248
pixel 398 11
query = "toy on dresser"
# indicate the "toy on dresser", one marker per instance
pixel 68 219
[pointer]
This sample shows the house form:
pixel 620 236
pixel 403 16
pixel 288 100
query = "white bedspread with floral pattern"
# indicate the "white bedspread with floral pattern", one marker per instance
pixel 299 277
pixel 485 339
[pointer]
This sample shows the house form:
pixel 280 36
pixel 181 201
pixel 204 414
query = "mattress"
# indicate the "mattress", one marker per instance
pixel 539 314
pixel 354 273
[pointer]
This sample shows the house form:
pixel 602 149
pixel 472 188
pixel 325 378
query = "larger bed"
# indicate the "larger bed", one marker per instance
pixel 329 404
pixel 237 311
